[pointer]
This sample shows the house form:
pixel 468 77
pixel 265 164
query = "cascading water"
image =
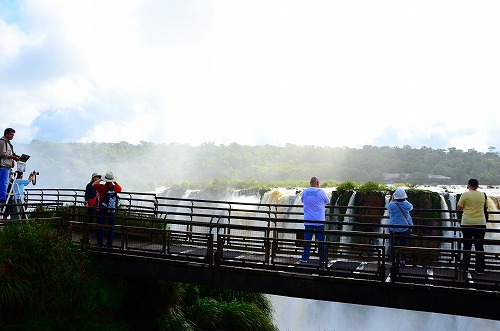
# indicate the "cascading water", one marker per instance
pixel 447 223
pixel 288 198
pixel 183 206
pixel 385 221
pixel 452 205
pixel 348 219
pixel 493 203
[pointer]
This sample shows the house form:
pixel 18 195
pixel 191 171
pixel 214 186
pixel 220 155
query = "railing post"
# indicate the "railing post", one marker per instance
pixel 210 245
pixel 58 199
pixel 85 224
pixel 156 208
pixel 219 254
pixel 164 239
pixel 392 251
pixel 382 265
pixel 267 243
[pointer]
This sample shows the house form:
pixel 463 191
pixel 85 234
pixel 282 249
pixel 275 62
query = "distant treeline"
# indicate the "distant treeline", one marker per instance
pixel 146 165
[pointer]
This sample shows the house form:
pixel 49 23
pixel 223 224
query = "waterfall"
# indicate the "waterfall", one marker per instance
pixel 183 206
pixel 287 198
pixel 452 199
pixel 348 219
pixel 448 233
pixel 385 221
pixel 492 205
pixel 298 216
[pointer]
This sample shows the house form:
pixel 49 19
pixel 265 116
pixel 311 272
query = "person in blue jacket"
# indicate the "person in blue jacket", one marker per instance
pixel 18 193
pixel 400 221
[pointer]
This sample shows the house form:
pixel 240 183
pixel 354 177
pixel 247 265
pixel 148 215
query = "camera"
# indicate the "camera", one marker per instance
pixel 33 175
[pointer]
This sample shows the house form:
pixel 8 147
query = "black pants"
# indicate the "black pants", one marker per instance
pixel 399 239
pixel 473 235
pixel 91 218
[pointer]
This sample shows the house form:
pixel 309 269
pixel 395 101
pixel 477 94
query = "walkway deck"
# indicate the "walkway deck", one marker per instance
pixel 258 247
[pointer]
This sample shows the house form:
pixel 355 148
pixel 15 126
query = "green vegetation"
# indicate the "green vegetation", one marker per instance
pixel 370 187
pixel 145 166
pixel 349 185
pixel 48 283
pixel 203 308
pixel 45 280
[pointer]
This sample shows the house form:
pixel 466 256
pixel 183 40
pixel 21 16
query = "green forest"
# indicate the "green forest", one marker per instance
pixel 146 166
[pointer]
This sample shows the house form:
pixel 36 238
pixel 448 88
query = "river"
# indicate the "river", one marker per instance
pixel 294 314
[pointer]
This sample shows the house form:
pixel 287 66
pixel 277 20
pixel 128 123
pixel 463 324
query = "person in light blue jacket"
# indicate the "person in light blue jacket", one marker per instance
pixel 17 198
pixel 400 221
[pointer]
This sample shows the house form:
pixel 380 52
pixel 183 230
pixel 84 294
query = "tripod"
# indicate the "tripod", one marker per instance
pixel 17 205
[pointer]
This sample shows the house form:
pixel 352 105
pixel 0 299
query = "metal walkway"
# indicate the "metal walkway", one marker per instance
pixel 256 247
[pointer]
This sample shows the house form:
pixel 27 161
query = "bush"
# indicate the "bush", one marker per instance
pixel 44 278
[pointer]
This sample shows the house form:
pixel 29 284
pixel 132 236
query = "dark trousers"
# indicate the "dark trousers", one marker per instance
pixel 473 235
pixel 319 232
pixel 90 219
pixel 399 239
pixel 105 218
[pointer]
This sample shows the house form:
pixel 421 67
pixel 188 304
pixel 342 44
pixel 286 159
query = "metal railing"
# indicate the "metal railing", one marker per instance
pixel 270 237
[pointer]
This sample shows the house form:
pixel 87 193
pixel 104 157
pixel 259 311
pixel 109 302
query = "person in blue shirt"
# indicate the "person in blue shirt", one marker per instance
pixel 314 200
pixel 399 212
pixel 18 193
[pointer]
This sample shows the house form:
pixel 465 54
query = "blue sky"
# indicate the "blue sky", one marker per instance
pixel 324 73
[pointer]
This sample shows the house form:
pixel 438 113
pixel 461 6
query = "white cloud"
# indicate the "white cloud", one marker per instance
pixel 254 72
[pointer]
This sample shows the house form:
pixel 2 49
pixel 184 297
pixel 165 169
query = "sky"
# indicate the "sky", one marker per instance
pixel 324 73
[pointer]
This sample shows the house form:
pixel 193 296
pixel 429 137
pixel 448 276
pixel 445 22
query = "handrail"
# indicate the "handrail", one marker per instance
pixel 199 230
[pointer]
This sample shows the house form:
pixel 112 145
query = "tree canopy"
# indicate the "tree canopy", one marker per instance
pixel 146 165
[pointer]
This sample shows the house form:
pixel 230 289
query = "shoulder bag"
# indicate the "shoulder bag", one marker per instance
pixel 404 215
pixel 485 207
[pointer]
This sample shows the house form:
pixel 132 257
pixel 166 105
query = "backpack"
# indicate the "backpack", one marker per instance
pixel 110 201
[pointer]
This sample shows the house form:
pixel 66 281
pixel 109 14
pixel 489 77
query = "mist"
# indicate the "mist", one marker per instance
pixel 147 167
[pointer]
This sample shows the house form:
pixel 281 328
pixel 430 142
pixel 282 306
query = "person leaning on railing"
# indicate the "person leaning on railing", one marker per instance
pixel 473 225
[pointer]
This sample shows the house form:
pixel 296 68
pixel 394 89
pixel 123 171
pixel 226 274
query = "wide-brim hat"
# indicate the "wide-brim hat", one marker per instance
pixel 400 194
pixel 109 177
pixel 95 174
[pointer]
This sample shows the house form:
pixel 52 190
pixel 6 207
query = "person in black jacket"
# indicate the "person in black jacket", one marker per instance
pixel 91 196
pixel 91 202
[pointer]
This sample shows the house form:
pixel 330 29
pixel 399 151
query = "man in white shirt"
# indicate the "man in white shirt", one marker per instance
pixel 314 200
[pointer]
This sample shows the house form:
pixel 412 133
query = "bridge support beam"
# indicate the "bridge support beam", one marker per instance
pixel 419 297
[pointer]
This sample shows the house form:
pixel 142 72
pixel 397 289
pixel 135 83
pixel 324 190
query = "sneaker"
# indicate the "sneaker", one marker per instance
pixel 480 272
pixel 402 264
pixel 303 261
